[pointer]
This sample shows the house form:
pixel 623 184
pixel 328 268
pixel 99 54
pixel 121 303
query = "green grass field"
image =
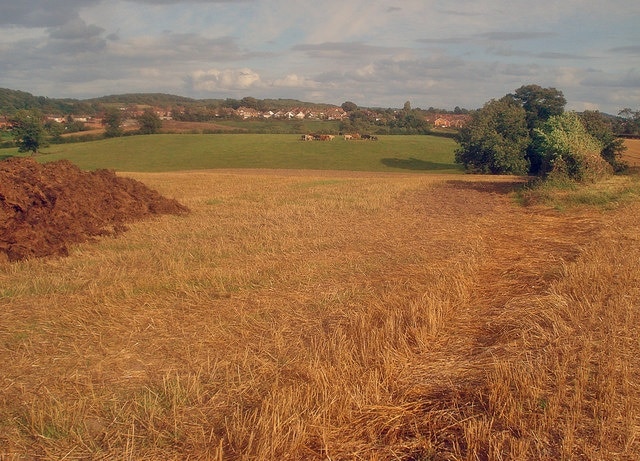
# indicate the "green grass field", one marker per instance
pixel 175 152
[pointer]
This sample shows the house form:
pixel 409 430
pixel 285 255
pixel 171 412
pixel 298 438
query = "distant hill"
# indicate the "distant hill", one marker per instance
pixel 149 99
pixel 13 100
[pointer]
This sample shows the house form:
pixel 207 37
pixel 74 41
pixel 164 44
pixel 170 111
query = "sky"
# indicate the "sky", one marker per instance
pixel 432 53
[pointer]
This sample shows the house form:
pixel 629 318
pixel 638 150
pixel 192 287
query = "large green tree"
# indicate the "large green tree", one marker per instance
pixel 496 139
pixel 569 150
pixel 601 128
pixel 539 103
pixel 630 121
pixel 28 130
pixel 149 122
pixel 113 123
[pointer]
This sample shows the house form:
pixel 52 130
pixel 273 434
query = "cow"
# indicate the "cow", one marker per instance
pixel 307 137
pixel 347 137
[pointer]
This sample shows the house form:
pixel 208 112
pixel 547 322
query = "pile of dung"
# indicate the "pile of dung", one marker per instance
pixel 46 207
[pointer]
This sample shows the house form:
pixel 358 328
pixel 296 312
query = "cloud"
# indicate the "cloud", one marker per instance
pixel 345 50
pixel 174 2
pixel 295 81
pixel 512 36
pixel 75 29
pixel 632 50
pixel 41 13
pixel 227 79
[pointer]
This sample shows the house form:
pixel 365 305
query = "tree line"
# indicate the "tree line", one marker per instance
pixel 529 132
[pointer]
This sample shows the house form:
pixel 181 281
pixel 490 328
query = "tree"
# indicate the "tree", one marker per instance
pixel 349 106
pixel 149 122
pixel 539 103
pixel 407 106
pixel 113 123
pixel 28 130
pixel 630 121
pixel 568 150
pixel 496 139
pixel 601 128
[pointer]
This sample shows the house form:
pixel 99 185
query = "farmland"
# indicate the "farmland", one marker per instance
pixel 172 152
pixel 308 314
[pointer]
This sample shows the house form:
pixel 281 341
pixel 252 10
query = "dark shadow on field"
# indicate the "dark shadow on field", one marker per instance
pixel 490 187
pixel 416 164
pixel 5 156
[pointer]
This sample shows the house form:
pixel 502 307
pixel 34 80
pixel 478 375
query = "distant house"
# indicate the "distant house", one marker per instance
pixel 247 112
pixel 334 113
pixel 451 120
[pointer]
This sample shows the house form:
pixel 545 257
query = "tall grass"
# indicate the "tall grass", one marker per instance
pixel 329 316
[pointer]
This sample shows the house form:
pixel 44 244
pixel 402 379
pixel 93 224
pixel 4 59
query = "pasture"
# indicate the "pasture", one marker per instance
pixel 326 315
pixel 174 152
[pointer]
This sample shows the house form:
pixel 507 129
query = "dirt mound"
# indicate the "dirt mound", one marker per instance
pixel 44 208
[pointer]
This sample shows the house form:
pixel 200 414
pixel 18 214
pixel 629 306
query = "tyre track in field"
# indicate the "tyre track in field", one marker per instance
pixel 520 252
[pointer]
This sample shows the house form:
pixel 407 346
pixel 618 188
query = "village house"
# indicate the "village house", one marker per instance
pixel 451 120
pixel 247 112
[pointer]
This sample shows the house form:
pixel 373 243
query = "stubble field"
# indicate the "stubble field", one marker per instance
pixel 330 315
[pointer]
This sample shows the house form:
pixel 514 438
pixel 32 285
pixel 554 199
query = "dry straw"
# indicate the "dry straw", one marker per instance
pixel 329 316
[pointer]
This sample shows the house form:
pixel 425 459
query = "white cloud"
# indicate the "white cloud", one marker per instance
pixel 431 52
pixel 294 81
pixel 227 79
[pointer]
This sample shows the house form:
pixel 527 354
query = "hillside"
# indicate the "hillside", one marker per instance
pixel 13 100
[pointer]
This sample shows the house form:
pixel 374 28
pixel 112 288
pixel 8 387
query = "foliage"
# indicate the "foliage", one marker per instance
pixel 601 128
pixel 113 123
pixel 539 103
pixel 28 130
pixel 359 121
pixel 567 149
pixel 630 123
pixel 12 101
pixel 149 122
pixel 349 106
pixel 564 194
pixel 408 122
pixel 495 139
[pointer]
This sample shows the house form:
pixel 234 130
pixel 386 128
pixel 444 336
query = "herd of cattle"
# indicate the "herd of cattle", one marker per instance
pixel 330 137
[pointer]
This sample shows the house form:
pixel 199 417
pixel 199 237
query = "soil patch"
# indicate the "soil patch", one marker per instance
pixel 45 208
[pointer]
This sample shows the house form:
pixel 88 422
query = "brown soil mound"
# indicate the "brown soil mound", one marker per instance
pixel 44 208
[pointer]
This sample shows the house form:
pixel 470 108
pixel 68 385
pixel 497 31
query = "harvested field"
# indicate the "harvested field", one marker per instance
pixel 323 315
pixel 632 154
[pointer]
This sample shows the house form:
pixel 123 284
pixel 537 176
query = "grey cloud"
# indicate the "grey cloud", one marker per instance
pixel 41 13
pixel 344 50
pixel 632 49
pixel 445 40
pixel 512 36
pixel 557 55
pixel 630 79
pixel 458 13
pixel 488 36
pixel 75 29
pixel 175 2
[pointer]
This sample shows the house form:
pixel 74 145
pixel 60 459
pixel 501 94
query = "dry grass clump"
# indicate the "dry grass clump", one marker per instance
pixel 329 316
